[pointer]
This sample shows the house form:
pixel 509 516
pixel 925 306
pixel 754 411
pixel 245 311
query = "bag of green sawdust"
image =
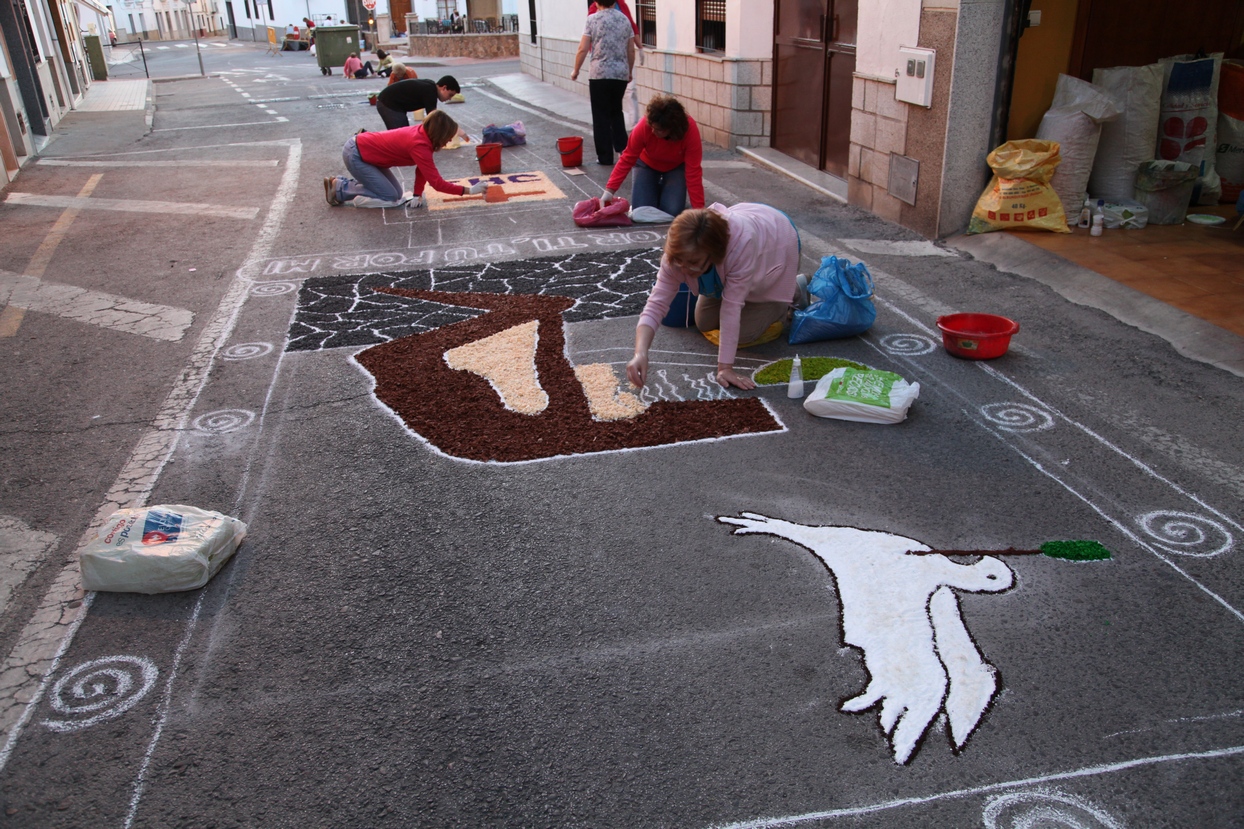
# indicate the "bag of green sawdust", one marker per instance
pixel 1020 195
pixel 862 395
pixel 161 549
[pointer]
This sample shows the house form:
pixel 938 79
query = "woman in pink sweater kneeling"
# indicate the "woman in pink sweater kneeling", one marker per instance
pixel 740 263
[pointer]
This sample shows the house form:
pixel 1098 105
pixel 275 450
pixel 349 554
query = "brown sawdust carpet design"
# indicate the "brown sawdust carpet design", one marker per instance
pixel 461 414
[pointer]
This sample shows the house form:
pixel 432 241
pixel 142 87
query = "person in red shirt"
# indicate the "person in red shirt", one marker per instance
pixel 665 150
pixel 370 155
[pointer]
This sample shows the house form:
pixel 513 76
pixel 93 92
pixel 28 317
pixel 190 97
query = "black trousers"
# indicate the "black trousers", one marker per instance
pixel 608 125
pixel 393 119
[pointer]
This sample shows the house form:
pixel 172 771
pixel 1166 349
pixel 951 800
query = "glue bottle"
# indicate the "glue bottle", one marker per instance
pixel 795 387
pixel 1086 214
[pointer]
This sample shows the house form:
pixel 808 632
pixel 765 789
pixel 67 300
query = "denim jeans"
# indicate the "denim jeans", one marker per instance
pixel 666 191
pixel 376 182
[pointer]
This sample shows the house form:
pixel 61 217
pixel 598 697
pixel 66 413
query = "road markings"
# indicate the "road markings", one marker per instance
pixel 118 313
pixel 886 247
pixel 193 162
pixel 221 126
pixel 77 203
pixel 28 669
pixel 14 312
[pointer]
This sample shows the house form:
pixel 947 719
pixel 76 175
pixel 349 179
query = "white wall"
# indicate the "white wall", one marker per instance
pixel 884 26
pixel 749 24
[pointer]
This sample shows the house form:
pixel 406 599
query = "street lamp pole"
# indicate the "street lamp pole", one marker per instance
pixel 194 29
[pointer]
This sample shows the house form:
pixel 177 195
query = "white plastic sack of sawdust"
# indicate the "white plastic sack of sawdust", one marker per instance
pixel 1127 141
pixel 1074 120
pixel 865 396
pixel 161 549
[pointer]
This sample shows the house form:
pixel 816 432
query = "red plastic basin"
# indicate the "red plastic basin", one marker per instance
pixel 977 336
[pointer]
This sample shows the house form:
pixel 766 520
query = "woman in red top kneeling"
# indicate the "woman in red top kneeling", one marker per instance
pixel 665 151
pixel 370 155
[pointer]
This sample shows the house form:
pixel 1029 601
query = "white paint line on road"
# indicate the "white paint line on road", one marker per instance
pixel 133 205
pixel 21 551
pixel 975 791
pixel 117 313
pixel 886 247
pixel 190 162
pixel 222 126
pixel 36 656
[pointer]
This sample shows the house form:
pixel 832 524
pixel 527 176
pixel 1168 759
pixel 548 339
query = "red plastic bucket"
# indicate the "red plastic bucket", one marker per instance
pixel 489 156
pixel 977 336
pixel 571 149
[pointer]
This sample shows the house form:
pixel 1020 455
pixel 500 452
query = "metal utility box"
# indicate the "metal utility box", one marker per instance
pixel 333 44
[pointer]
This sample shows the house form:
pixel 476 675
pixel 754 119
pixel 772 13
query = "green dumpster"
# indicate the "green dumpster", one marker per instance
pixel 333 44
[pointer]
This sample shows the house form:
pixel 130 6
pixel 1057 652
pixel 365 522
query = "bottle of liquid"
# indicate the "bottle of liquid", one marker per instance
pixel 1097 225
pixel 795 387
pixel 1086 215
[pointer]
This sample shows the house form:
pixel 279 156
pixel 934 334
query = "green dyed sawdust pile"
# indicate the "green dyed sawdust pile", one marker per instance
pixel 1075 550
pixel 812 368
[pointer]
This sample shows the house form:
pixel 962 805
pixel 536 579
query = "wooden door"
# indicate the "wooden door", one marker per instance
pixel 840 74
pixel 799 78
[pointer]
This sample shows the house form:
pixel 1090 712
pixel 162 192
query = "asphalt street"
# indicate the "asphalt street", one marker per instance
pixel 738 631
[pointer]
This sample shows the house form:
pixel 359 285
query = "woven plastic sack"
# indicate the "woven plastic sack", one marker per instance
pixel 1230 156
pixel 1127 141
pixel 1189 122
pixel 1020 194
pixel 843 305
pixel 864 396
pixel 589 213
pixel 1074 120
pixel 161 549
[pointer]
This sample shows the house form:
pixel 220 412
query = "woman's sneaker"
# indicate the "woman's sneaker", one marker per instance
pixel 802 298
pixel 330 191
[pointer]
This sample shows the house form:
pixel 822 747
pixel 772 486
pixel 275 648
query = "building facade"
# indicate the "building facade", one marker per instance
pixel 899 100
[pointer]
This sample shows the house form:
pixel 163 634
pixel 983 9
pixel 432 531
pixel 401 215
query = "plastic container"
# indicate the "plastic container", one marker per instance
pixel 333 44
pixel 571 149
pixel 489 156
pixel 794 388
pixel 977 336
pixel 1165 189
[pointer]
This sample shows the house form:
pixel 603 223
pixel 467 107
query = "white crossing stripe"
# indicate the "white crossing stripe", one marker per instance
pixel 118 313
pixel 191 162
pixel 887 247
pixel 134 205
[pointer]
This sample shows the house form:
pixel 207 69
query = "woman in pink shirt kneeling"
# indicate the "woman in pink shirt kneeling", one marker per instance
pixel 370 155
pixel 665 150
pixel 740 263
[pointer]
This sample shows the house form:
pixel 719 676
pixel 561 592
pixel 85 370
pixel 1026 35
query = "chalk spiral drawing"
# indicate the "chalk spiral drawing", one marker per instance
pixel 1044 809
pixel 223 421
pixel 1017 417
pixel 1187 534
pixel 907 345
pixel 101 688
pixel 272 288
pixel 247 351
pixel 900 609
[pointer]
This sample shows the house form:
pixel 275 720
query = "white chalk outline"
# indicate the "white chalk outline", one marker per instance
pixel 111 707
pixel 1088 771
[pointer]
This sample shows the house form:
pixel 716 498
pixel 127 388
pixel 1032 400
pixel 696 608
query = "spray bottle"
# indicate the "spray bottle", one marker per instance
pixel 795 387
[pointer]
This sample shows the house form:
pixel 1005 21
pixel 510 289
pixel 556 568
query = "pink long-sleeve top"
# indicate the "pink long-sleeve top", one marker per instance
pixel 762 258
pixel 663 155
pixel 353 65
pixel 405 147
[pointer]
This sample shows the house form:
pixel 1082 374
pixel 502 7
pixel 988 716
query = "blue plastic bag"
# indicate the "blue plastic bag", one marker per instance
pixel 843 306
pixel 507 136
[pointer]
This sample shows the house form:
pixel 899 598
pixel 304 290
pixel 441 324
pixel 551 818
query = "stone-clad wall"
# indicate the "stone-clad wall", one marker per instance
pixel 730 99
pixel 503 45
